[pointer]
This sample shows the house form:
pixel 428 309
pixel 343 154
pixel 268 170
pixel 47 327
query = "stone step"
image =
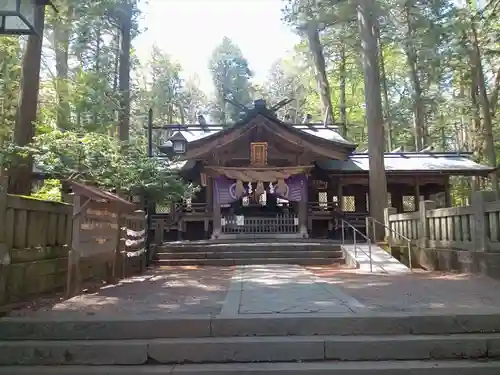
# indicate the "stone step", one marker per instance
pixel 249 261
pixel 247 247
pixel 462 367
pixel 250 349
pixel 93 328
pixel 250 254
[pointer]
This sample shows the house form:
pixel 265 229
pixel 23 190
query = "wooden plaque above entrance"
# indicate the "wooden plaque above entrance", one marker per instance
pixel 258 152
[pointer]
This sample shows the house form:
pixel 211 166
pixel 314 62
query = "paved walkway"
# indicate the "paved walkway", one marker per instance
pixel 283 289
pixel 274 289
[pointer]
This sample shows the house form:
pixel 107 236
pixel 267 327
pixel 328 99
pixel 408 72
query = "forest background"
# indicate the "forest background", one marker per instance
pixel 73 98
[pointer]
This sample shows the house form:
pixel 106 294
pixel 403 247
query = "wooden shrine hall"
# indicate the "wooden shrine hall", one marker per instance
pixel 267 178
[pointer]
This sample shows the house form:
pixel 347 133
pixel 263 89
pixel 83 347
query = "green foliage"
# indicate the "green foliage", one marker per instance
pixel 102 160
pixel 231 77
pixel 49 191
pixel 160 86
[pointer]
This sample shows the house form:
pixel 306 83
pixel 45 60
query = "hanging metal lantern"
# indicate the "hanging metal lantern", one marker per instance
pixel 17 17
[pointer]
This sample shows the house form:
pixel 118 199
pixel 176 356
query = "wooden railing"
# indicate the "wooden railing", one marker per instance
pixel 44 244
pixel 193 208
pixel 281 224
pixel 475 228
pixel 319 207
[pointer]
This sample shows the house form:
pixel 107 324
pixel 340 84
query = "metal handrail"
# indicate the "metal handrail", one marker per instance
pixel 355 231
pixel 408 241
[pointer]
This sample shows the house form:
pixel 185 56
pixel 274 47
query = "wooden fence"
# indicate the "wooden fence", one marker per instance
pixel 34 238
pixel 108 234
pixel 48 246
pixel 472 233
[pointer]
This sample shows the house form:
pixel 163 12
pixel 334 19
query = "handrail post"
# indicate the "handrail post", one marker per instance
pixel 374 231
pixel 370 255
pixel 343 235
pixel 409 256
pixel 355 247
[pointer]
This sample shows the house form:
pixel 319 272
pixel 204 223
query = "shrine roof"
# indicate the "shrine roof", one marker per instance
pixel 411 162
pixel 317 130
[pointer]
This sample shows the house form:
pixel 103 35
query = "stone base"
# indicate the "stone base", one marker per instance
pixel 487 264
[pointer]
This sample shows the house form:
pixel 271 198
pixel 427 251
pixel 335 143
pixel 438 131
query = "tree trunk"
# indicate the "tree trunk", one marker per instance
pixel 24 130
pixel 95 115
pixel 419 107
pixel 343 79
pixel 374 118
pixel 124 72
pixel 387 105
pixel 316 50
pixel 489 143
pixel 62 31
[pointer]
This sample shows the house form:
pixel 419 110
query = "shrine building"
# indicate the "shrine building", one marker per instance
pixel 267 178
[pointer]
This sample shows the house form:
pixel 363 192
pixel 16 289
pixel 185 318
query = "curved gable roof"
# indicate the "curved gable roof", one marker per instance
pixel 324 141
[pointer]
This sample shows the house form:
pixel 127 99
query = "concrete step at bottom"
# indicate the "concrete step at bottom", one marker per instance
pixel 246 325
pixel 250 261
pixel 462 367
pixel 252 254
pixel 250 349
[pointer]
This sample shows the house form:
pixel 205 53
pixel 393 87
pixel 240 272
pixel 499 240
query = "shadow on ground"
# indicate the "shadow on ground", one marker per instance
pixel 161 291
pixel 419 291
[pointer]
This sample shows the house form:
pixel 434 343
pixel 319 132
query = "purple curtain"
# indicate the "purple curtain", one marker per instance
pixel 224 189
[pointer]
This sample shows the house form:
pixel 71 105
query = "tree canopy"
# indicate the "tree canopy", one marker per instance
pixel 439 78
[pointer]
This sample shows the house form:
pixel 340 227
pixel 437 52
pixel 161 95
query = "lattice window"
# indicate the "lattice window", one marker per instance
pixel 163 208
pixel 408 203
pixel 348 204
pixel 323 199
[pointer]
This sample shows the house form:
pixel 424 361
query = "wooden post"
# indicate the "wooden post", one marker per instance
pixel 74 277
pixel 216 215
pixel 417 194
pixel 120 247
pixel 423 227
pixel 388 233
pixel 447 192
pixel 303 221
pixel 480 231
pixel 4 248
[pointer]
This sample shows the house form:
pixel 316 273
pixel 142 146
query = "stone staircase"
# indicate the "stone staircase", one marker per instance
pixel 361 344
pixel 210 253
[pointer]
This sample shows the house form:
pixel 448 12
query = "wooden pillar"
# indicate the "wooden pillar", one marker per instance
pixel 447 192
pixel 340 189
pixel 4 247
pixel 216 215
pixel 397 200
pixel 417 194
pixel 360 201
pixel 303 221
pixel 209 201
